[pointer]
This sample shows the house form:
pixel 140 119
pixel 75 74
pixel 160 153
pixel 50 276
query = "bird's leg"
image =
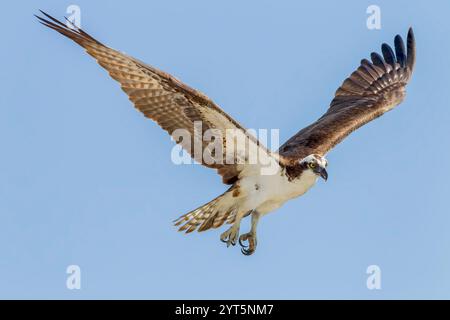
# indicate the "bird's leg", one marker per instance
pixel 251 236
pixel 231 235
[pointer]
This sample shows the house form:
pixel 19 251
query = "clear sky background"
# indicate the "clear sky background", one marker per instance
pixel 87 180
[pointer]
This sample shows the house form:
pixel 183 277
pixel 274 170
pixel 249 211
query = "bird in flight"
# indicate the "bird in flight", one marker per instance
pixel 374 88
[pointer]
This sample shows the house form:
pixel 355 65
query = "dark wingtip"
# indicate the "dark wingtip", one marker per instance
pixel 377 59
pixel 398 39
pixel 365 62
pixel 388 54
pixel 69 29
pixel 51 19
pixel 411 49
pixel 400 50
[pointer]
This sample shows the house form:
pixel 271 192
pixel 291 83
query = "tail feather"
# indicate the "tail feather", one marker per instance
pixel 211 215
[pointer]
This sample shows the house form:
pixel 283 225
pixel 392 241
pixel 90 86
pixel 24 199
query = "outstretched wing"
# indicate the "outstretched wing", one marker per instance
pixel 373 89
pixel 172 104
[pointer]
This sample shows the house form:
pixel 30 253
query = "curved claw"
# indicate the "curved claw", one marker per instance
pixel 247 252
pixel 251 247
pixel 230 236
pixel 243 238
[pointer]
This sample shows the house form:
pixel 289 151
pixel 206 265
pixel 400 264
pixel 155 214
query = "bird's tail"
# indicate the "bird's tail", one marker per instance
pixel 211 215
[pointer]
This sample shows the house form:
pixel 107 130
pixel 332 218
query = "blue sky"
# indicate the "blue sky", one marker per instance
pixel 87 180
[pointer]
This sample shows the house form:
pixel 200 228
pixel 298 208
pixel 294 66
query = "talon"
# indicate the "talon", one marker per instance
pixel 251 247
pixel 230 236
pixel 247 252
pixel 225 237
pixel 243 238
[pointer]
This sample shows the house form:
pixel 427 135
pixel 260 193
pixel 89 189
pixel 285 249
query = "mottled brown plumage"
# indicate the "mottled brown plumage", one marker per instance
pixel 164 99
pixel 373 89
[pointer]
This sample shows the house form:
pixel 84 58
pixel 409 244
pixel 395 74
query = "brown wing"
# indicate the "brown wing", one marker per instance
pixel 166 100
pixel 373 89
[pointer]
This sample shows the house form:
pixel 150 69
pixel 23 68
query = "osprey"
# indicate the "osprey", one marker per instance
pixel 374 88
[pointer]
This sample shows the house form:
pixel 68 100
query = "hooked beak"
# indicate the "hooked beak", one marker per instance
pixel 322 172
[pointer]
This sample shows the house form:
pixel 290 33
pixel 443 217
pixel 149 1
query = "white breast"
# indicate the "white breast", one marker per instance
pixel 268 193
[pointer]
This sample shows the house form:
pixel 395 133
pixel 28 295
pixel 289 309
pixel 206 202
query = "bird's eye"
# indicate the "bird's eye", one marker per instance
pixel 312 165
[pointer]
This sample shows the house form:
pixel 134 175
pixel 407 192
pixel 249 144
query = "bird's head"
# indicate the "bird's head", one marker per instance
pixel 317 164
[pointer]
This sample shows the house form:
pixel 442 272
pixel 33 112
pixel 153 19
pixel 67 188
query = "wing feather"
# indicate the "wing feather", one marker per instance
pixel 166 100
pixel 373 89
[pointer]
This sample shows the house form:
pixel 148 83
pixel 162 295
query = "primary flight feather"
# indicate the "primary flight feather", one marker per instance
pixel 374 88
